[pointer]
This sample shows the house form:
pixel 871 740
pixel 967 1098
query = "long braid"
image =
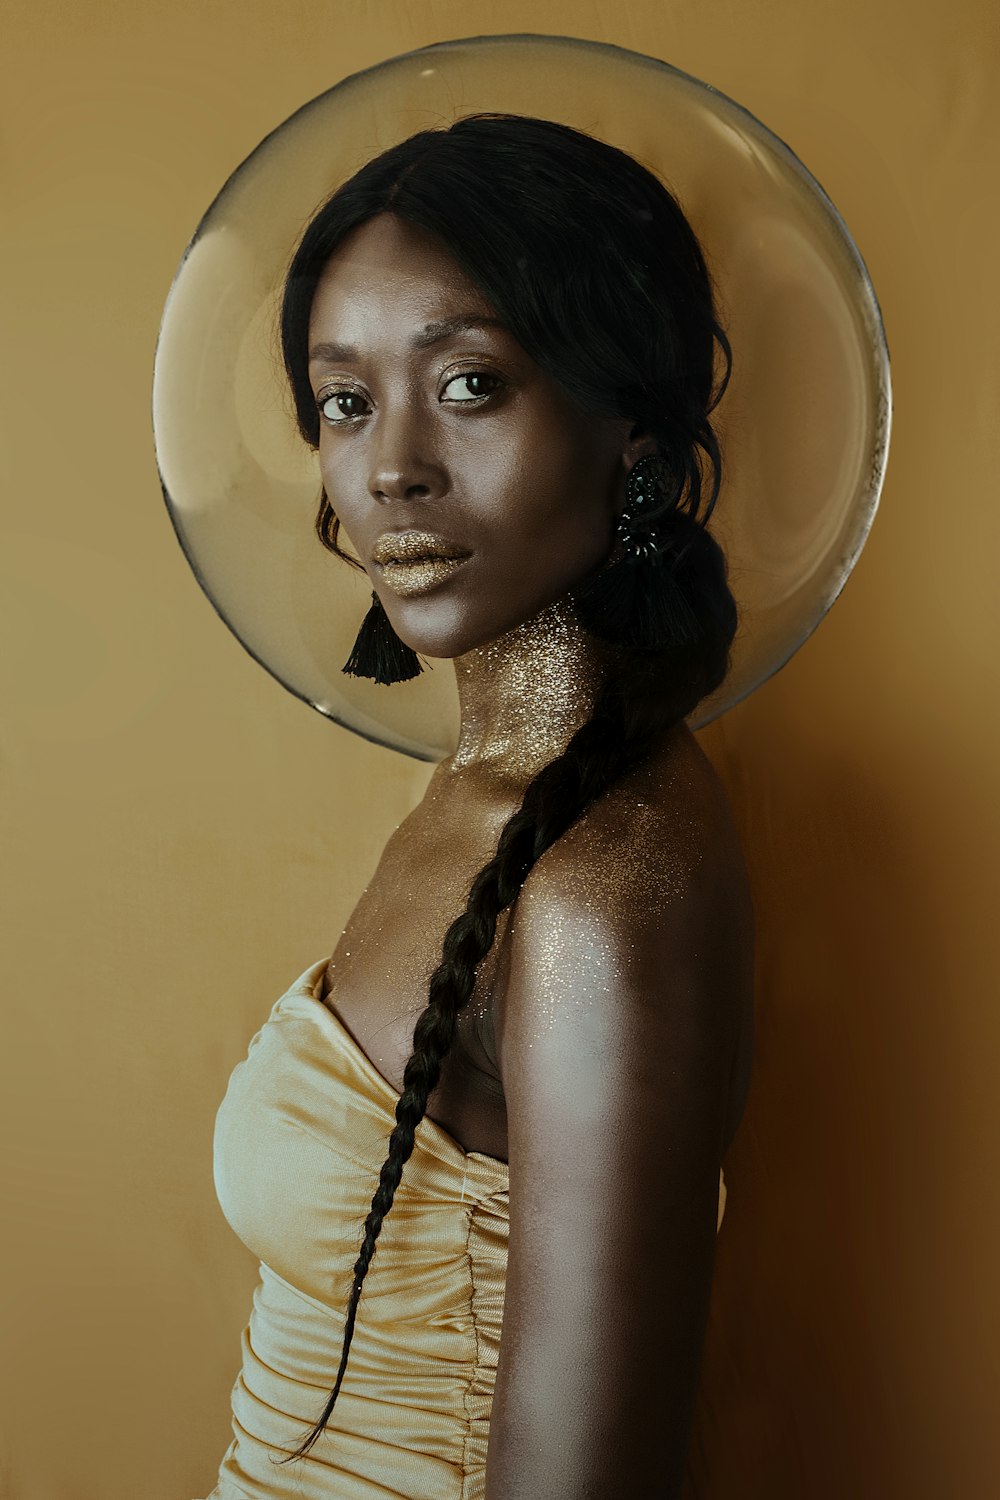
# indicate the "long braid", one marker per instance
pixel 630 715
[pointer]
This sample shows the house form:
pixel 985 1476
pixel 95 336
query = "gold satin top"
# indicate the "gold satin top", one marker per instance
pixel 300 1138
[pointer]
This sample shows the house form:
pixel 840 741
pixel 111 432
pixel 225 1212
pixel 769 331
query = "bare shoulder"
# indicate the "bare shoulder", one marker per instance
pixel 636 928
pixel 664 837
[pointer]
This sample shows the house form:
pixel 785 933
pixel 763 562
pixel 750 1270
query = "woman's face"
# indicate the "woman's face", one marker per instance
pixel 471 487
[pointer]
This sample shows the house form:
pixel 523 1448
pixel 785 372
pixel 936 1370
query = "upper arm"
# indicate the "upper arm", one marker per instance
pixel 619 1030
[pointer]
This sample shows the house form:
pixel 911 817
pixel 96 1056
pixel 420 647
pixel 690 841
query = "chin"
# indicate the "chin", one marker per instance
pixel 436 628
pixel 445 645
pixel 448 621
pixel 429 626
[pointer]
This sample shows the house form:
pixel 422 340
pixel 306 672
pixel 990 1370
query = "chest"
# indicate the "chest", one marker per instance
pixel 378 976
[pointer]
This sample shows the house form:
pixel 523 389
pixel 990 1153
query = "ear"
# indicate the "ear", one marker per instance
pixel 639 442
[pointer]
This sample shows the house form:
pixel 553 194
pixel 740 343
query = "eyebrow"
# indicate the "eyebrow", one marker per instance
pixel 431 333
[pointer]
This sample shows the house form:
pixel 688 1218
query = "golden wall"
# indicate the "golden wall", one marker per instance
pixel 182 837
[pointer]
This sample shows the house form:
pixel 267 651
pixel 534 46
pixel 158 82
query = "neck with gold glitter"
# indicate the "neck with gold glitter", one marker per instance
pixel 524 695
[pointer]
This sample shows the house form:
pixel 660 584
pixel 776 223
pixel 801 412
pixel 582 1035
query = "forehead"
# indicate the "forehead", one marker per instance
pixel 393 268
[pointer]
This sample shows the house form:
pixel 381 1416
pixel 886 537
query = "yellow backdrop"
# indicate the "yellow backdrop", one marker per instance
pixel 181 837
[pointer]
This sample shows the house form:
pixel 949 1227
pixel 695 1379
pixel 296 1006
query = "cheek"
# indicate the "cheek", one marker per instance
pixel 343 486
pixel 570 511
pixel 547 546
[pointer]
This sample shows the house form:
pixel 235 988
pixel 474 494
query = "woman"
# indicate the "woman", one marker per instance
pixel 500 341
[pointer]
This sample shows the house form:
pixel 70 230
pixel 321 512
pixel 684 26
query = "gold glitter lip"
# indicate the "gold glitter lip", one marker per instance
pixel 413 546
pixel 419 576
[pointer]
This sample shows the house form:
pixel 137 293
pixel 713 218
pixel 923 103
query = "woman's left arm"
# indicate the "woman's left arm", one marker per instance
pixel 616 1044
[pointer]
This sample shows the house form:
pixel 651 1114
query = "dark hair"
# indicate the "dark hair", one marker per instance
pixel 590 262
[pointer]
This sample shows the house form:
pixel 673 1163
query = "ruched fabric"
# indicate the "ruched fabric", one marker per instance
pixel 300 1138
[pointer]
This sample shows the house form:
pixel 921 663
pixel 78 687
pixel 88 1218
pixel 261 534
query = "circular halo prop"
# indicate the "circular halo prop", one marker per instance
pixel 804 425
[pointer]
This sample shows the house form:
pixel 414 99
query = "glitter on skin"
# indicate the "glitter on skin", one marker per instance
pixel 522 697
pixel 614 867
pixel 549 664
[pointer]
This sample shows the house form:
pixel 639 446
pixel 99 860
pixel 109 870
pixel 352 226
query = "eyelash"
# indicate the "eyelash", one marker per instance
pixel 345 421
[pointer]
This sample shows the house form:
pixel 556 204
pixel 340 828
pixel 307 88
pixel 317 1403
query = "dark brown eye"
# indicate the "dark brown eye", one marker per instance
pixel 335 406
pixel 479 384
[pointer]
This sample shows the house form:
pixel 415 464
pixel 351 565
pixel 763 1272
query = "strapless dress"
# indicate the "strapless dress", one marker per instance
pixel 300 1138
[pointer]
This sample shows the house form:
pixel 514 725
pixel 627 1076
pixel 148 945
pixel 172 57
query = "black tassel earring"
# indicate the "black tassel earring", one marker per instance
pixel 378 652
pixel 637 599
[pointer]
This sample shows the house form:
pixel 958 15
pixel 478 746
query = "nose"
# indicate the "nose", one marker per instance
pixel 403 463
